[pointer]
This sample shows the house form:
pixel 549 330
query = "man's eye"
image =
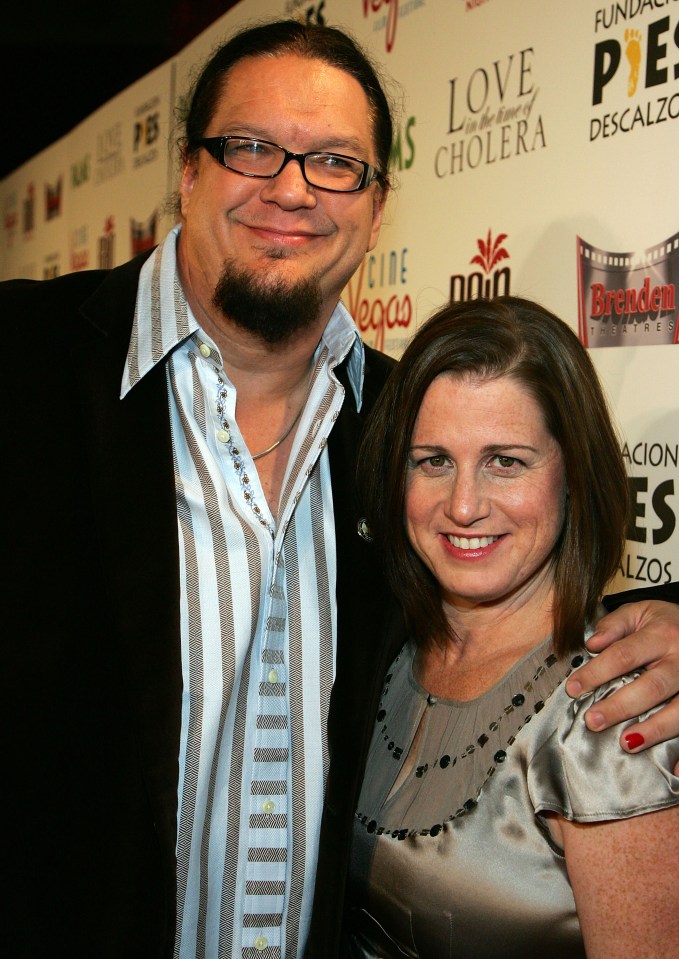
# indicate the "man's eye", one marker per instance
pixel 248 148
pixel 332 162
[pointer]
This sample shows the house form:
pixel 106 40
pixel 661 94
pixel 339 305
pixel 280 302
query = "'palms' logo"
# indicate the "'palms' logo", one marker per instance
pixel 491 252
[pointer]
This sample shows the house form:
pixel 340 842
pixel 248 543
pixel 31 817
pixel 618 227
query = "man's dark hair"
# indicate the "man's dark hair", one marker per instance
pixel 276 38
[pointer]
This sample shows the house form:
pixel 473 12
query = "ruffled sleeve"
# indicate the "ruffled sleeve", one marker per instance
pixel 587 777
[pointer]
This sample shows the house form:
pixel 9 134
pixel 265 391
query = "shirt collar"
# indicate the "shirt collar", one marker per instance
pixel 163 320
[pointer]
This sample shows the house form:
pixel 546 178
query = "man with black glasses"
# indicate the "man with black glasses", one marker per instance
pixel 187 579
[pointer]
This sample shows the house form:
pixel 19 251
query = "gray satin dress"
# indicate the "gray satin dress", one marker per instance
pixel 458 863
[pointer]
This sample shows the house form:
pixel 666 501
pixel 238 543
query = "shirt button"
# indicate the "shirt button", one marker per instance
pixel 205 350
pixel 273 676
pixel 223 436
pixel 261 942
pixel 268 806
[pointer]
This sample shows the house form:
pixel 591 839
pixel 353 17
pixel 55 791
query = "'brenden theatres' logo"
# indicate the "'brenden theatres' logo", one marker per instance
pixel 628 299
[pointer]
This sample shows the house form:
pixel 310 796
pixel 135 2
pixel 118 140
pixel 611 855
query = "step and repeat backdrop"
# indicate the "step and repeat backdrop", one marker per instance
pixel 537 153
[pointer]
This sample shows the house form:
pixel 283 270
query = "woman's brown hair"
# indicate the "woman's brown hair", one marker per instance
pixel 505 336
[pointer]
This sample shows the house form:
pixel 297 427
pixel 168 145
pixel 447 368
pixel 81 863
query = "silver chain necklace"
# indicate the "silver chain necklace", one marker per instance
pixel 278 442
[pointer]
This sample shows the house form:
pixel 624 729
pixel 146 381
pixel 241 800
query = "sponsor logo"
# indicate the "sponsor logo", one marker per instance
pixel 80 171
pixel 53 199
pixel 143 234
pixel 305 11
pixel 628 299
pixel 402 155
pixel 28 211
pixel 653 519
pixel 51 268
pixel 386 15
pixel 106 246
pixel 491 279
pixel 379 303
pixel 635 66
pixel 80 254
pixel 109 160
pixel 492 115
pixel 146 133
pixel 10 216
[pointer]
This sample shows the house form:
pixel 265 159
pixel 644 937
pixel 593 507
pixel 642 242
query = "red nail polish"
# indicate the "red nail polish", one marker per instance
pixel 634 740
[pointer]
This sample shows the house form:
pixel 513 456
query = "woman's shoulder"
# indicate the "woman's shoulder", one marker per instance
pixel 586 776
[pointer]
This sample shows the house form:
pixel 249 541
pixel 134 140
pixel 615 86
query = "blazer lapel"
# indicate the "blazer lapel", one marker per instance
pixel 365 648
pixel 132 476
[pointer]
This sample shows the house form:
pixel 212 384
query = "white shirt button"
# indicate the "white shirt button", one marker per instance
pixel 273 676
pixel 205 350
pixel 261 942
pixel 223 436
pixel 268 806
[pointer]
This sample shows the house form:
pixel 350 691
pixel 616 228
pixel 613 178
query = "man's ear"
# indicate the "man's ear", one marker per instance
pixel 188 180
pixel 379 202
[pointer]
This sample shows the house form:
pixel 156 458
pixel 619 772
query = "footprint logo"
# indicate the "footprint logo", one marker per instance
pixel 633 54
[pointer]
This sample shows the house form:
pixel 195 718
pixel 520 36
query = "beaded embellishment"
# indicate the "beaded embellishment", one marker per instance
pixel 236 458
pixel 449 762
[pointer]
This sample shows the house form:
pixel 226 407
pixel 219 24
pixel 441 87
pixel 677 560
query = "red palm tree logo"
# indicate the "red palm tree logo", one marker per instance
pixel 491 252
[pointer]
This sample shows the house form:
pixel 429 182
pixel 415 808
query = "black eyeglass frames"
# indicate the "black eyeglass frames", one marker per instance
pixel 260 158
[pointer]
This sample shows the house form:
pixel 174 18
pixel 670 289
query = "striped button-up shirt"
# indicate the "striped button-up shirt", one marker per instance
pixel 258 635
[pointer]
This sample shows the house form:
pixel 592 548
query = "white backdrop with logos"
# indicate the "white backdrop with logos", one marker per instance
pixel 536 154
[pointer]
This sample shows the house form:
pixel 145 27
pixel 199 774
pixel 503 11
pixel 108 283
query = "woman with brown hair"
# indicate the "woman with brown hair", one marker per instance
pixel 491 822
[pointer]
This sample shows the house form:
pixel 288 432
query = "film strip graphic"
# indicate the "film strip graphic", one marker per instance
pixel 628 299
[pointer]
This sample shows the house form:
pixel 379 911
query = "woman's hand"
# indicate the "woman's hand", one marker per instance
pixel 635 635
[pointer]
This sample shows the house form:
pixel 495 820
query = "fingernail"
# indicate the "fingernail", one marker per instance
pixel 595 720
pixel 634 740
pixel 574 687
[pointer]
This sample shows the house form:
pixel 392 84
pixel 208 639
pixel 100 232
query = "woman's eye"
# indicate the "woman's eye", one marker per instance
pixel 428 464
pixel 431 464
pixel 506 464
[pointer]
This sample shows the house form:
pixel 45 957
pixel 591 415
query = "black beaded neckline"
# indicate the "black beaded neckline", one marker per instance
pixel 532 681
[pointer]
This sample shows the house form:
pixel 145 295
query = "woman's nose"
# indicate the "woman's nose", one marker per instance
pixel 467 500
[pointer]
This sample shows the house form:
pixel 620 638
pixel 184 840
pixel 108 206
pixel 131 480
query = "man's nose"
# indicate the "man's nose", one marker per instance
pixel 289 187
